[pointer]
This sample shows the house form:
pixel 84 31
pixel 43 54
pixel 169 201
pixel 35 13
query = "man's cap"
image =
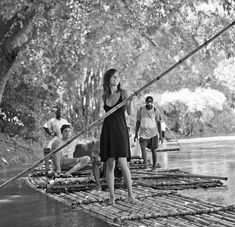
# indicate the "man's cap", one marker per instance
pixel 64 127
pixel 149 99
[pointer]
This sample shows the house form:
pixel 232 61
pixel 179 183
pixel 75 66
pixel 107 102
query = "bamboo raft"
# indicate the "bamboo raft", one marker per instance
pixel 157 201
pixel 152 207
pixel 161 179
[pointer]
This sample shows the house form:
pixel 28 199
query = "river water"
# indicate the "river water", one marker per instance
pixel 213 156
pixel 22 206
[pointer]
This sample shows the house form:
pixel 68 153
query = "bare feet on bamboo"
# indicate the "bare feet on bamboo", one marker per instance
pixel 111 201
pixel 131 199
pixel 154 168
pixel 98 188
pixel 146 166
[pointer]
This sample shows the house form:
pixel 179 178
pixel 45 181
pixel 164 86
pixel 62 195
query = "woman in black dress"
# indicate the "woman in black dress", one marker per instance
pixel 114 140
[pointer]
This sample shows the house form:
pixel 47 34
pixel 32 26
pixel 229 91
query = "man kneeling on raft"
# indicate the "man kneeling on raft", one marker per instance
pixel 63 159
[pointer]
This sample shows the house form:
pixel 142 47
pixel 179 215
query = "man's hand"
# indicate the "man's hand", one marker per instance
pixel 49 132
pixel 57 173
pixel 136 137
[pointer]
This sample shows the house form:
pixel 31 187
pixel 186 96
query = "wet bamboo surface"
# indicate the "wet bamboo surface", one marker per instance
pixel 161 179
pixel 175 180
pixel 152 207
pixel 157 201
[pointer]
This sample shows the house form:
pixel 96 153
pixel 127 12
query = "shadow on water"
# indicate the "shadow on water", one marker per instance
pixel 21 206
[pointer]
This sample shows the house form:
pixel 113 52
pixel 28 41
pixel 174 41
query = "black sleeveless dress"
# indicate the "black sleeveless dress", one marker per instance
pixel 114 139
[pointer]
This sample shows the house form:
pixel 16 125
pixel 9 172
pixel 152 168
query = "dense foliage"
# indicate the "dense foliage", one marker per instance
pixel 55 52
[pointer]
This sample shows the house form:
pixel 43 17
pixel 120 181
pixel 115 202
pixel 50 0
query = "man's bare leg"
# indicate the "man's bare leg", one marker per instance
pixel 143 145
pixel 82 162
pixel 154 158
pixel 47 165
pixel 96 173
pixel 56 162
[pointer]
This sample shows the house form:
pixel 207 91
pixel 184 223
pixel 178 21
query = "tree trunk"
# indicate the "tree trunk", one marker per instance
pixel 11 31
pixel 4 68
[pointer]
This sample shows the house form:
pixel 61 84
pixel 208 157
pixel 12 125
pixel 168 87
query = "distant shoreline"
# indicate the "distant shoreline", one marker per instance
pixel 209 138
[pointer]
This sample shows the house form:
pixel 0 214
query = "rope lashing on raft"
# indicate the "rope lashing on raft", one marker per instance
pixel 99 121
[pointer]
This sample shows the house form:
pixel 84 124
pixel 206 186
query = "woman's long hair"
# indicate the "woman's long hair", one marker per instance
pixel 106 79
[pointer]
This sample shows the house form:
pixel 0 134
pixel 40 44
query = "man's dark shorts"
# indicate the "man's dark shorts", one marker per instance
pixel 152 143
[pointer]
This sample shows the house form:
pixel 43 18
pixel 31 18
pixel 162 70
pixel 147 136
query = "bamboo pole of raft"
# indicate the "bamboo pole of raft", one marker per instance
pixel 100 120
pixel 173 214
pixel 164 175
pixel 195 176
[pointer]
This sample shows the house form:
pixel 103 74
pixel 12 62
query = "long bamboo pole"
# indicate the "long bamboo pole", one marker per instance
pixel 99 121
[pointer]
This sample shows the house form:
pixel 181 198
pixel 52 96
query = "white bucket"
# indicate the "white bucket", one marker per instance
pixel 162 159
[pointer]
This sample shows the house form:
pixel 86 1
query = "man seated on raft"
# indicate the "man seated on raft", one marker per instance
pixel 63 160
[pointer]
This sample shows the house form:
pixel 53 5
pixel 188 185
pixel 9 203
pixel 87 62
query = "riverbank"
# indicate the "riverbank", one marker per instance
pixel 15 150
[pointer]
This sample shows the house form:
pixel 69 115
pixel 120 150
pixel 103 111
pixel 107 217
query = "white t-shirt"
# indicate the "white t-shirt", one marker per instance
pixel 148 125
pixel 67 151
pixel 54 125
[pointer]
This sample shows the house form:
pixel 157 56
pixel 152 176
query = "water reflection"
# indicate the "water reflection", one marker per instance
pixel 209 156
pixel 5 201
pixel 22 206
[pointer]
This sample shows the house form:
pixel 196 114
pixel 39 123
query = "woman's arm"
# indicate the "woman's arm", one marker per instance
pixel 129 104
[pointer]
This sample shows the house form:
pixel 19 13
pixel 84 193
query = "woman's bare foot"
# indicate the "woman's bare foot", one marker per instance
pixel 98 188
pixel 111 201
pixel 153 169
pixel 145 166
pixel 130 200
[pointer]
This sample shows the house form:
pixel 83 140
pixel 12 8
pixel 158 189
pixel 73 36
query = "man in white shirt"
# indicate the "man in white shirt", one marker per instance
pixel 63 159
pixel 148 127
pixel 52 128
